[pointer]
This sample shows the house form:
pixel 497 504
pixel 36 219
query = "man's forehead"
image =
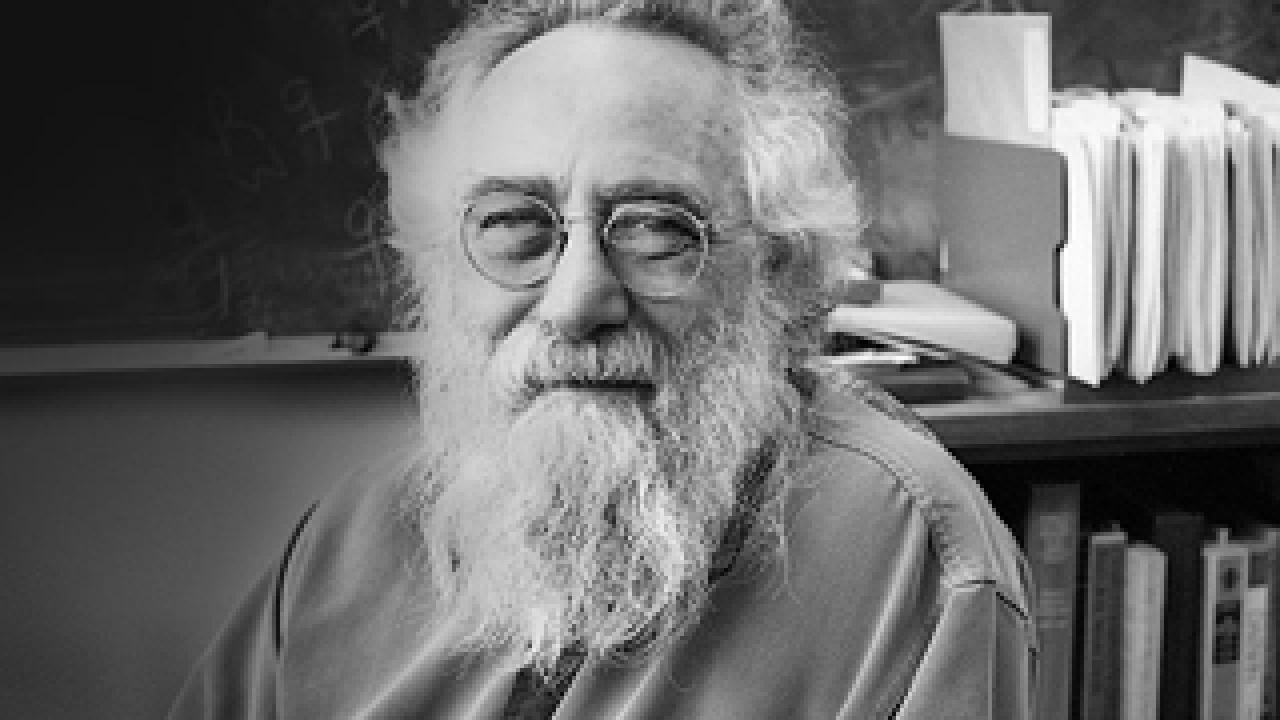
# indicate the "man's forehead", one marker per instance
pixel 598 88
pixel 631 69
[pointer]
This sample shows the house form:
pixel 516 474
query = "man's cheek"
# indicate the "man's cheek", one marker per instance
pixel 488 314
pixel 724 292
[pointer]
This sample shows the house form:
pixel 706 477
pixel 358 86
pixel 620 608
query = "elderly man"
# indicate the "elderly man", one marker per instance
pixel 630 499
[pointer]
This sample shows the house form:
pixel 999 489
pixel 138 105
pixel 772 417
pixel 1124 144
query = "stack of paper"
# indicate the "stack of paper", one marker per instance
pixel 1172 250
pixel 1094 262
pixel 1253 225
pixel 927 312
pixel 1253 229
pixel 1195 225
pixel 1254 233
pixel 1147 349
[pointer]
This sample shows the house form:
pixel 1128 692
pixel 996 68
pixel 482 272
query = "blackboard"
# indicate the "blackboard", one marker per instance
pixel 187 169
pixel 204 168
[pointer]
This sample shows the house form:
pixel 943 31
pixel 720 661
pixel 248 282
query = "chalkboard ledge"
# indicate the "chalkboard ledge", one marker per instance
pixel 256 348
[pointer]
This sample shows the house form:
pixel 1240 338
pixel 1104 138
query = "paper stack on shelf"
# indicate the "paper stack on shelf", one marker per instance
pixel 1148 351
pixel 1252 129
pixel 1159 263
pixel 1094 262
pixel 927 312
pixel 1195 224
pixel 1158 212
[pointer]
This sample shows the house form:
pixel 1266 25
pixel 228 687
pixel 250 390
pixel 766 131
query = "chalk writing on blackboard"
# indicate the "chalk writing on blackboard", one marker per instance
pixel 377 107
pixel 250 156
pixel 365 219
pixel 297 97
pixel 369 18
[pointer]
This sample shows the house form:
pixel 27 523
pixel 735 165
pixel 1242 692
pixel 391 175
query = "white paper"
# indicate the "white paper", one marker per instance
pixel 1242 241
pixel 1146 339
pixel 1120 250
pixel 1202 275
pixel 1269 293
pixel 1099 124
pixel 996 76
pixel 1208 80
pixel 1080 266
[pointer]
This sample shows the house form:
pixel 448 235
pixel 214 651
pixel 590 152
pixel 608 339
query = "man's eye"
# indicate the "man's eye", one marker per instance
pixel 655 237
pixel 517 242
pixel 531 219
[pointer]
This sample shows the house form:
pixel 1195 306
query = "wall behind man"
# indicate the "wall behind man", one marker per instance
pixel 136 509
pixel 886 56
pixel 209 168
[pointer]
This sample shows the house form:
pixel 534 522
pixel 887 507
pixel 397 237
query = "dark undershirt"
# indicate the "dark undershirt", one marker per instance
pixel 535 696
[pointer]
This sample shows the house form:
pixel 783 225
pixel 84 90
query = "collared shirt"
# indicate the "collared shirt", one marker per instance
pixel 902 595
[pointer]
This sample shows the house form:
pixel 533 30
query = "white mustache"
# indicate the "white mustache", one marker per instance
pixel 535 357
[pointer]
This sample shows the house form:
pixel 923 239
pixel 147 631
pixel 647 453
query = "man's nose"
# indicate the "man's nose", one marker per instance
pixel 583 294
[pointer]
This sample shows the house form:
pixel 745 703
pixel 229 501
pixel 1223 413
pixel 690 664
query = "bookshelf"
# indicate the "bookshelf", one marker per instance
pixel 1047 424
pixel 1197 452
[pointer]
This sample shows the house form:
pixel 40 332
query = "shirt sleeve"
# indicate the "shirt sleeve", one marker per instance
pixel 979 664
pixel 236 675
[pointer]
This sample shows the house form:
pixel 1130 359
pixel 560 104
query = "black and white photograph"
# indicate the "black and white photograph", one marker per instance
pixel 641 360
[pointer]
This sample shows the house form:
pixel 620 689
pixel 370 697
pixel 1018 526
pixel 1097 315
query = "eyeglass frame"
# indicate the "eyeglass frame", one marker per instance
pixel 563 221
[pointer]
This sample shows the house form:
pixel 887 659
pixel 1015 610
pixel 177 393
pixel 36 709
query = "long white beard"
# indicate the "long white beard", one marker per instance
pixel 590 518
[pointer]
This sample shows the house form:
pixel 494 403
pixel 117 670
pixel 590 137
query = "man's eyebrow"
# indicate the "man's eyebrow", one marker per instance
pixel 537 186
pixel 673 193
pixel 604 197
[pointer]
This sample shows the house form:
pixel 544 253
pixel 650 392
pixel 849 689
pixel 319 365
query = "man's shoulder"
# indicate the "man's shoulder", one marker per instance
pixel 370 511
pixel 354 596
pixel 866 444
pixel 360 539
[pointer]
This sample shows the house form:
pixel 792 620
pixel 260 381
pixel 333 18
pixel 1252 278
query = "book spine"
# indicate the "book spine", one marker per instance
pixel 1157 582
pixel 1134 632
pixel 1053 535
pixel 1104 627
pixel 1143 606
pixel 1253 634
pixel 1180 535
pixel 1264 570
pixel 1225 575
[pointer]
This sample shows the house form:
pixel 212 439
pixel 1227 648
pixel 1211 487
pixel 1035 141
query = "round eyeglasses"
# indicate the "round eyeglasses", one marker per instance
pixel 655 249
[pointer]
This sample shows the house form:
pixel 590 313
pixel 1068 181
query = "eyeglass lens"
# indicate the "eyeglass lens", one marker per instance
pixel 655 249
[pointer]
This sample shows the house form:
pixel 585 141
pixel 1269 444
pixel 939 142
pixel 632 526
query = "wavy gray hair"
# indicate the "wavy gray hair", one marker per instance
pixel 802 198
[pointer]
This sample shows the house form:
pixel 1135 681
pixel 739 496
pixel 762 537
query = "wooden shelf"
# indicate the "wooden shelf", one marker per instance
pixel 1038 424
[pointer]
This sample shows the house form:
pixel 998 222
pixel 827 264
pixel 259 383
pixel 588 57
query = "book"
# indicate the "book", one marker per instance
pixel 1103 626
pixel 1180 535
pixel 1143 622
pixel 1052 539
pixel 1253 641
pixel 1226 566
pixel 1264 570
